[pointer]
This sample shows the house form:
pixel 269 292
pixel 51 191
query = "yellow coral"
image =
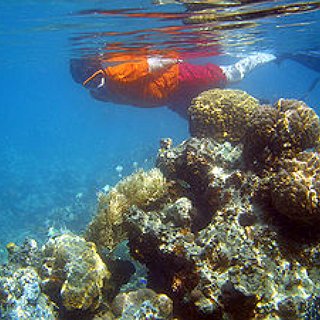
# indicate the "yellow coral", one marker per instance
pixel 11 246
pixel 298 125
pixel 140 189
pixel 75 263
pixel 222 114
pixel 295 189
pixel 281 131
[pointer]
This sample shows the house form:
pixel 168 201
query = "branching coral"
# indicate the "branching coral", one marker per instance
pixel 141 189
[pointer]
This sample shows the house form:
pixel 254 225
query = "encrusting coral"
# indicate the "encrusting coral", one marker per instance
pixel 74 269
pixel 140 189
pixel 221 114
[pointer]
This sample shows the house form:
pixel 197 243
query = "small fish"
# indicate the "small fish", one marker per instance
pixel 184 184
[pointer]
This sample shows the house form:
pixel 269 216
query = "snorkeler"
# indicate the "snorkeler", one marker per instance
pixel 155 80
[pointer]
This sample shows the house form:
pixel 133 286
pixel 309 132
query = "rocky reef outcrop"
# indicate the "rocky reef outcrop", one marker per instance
pixel 230 237
pixel 212 250
pixel 226 225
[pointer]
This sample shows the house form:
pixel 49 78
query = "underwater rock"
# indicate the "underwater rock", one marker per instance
pixel 203 168
pixel 295 188
pixel 21 297
pixel 222 114
pixel 141 189
pixel 73 269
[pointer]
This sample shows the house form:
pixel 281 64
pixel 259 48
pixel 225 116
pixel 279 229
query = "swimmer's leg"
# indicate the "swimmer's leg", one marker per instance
pixel 236 72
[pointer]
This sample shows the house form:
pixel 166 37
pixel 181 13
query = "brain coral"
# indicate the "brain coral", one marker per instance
pixel 260 137
pixel 298 125
pixel 142 304
pixel 284 130
pixel 73 267
pixel 140 189
pixel 222 114
pixel 295 189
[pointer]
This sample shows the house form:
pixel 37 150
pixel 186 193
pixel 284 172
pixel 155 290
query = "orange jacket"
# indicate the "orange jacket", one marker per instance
pixel 151 80
pixel 131 77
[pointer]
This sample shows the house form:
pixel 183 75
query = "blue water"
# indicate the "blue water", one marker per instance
pixel 59 146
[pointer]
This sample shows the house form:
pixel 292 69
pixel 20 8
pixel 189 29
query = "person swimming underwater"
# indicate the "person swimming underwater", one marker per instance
pixel 158 79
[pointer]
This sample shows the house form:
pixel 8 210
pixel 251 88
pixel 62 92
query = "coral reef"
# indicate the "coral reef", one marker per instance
pixel 295 188
pixel 142 304
pixel 73 267
pixel 281 131
pixel 210 244
pixel 21 297
pixel 269 133
pixel 236 265
pixel 221 114
pixel 203 168
pixel 226 227
pixel 141 189
pixel 273 138
pixel 211 249
pixel 66 279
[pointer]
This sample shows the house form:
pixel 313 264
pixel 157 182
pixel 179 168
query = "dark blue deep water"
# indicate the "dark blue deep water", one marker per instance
pixel 59 146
